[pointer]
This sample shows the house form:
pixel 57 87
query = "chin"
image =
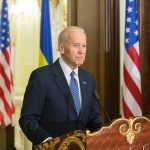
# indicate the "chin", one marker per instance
pixel 79 64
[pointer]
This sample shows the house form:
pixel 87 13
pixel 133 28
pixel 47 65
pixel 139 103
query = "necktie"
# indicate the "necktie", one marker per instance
pixel 75 92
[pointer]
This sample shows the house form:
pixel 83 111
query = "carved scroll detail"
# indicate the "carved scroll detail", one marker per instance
pixel 130 130
pixel 48 146
pixel 76 138
pixel 54 143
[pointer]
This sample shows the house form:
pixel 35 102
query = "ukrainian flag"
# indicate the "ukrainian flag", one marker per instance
pixel 45 56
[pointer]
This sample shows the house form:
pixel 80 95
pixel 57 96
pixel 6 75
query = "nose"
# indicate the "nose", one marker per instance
pixel 82 48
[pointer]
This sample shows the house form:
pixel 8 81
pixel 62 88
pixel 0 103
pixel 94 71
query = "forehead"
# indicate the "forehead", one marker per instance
pixel 76 35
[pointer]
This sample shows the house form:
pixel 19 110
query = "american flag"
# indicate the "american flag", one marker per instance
pixel 132 102
pixel 6 78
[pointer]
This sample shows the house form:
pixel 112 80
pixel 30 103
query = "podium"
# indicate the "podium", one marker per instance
pixel 122 134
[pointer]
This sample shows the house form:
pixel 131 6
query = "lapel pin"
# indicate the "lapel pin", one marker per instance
pixel 84 82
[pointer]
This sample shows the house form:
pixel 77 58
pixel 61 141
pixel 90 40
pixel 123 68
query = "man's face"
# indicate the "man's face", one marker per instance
pixel 73 50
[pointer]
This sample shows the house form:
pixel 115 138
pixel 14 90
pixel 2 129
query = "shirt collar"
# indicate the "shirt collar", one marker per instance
pixel 66 69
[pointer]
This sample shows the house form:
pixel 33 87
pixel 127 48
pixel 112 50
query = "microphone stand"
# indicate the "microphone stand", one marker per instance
pixel 102 107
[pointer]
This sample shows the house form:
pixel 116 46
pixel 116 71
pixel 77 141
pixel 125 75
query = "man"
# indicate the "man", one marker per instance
pixel 50 108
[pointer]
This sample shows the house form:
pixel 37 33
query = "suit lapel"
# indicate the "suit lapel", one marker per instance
pixel 61 82
pixel 83 85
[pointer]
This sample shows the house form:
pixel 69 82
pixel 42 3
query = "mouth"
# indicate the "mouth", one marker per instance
pixel 79 57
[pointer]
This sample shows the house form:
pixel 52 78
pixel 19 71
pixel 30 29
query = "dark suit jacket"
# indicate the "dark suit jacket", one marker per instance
pixel 48 109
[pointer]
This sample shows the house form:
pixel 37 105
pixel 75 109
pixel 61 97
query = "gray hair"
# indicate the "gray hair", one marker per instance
pixel 63 35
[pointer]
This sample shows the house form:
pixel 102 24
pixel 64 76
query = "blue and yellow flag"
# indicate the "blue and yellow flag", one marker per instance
pixel 46 56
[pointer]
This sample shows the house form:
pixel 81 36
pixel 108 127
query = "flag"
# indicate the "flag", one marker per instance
pixel 6 77
pixel 45 56
pixel 132 103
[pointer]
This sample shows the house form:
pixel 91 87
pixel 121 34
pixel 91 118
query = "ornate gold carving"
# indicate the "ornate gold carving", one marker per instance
pixel 43 147
pixel 130 130
pixel 48 145
pixel 75 138
pixel 78 138
pixel 53 144
pixel 88 132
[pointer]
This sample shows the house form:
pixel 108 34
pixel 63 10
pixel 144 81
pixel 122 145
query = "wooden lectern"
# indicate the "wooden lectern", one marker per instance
pixel 122 134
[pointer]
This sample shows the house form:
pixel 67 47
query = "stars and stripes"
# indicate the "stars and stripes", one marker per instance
pixel 132 102
pixel 6 77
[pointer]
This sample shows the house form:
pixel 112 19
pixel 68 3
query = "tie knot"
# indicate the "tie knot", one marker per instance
pixel 72 74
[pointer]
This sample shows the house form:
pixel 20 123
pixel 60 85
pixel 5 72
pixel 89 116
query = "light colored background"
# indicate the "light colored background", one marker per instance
pixel 24 31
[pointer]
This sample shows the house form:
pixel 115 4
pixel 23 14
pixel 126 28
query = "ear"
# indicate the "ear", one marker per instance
pixel 61 48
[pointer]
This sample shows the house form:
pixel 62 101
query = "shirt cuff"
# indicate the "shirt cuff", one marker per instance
pixel 49 138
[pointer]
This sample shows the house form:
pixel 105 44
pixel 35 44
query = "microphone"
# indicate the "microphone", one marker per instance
pixel 103 109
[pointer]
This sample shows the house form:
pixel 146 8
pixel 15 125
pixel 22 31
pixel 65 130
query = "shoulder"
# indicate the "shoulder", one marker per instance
pixel 46 71
pixel 48 68
pixel 42 70
pixel 85 73
pixel 41 73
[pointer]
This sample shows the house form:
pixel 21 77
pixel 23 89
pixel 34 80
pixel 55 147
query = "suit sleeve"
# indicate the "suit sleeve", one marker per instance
pixel 32 108
pixel 94 120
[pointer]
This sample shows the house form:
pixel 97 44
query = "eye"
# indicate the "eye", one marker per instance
pixel 84 46
pixel 76 45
